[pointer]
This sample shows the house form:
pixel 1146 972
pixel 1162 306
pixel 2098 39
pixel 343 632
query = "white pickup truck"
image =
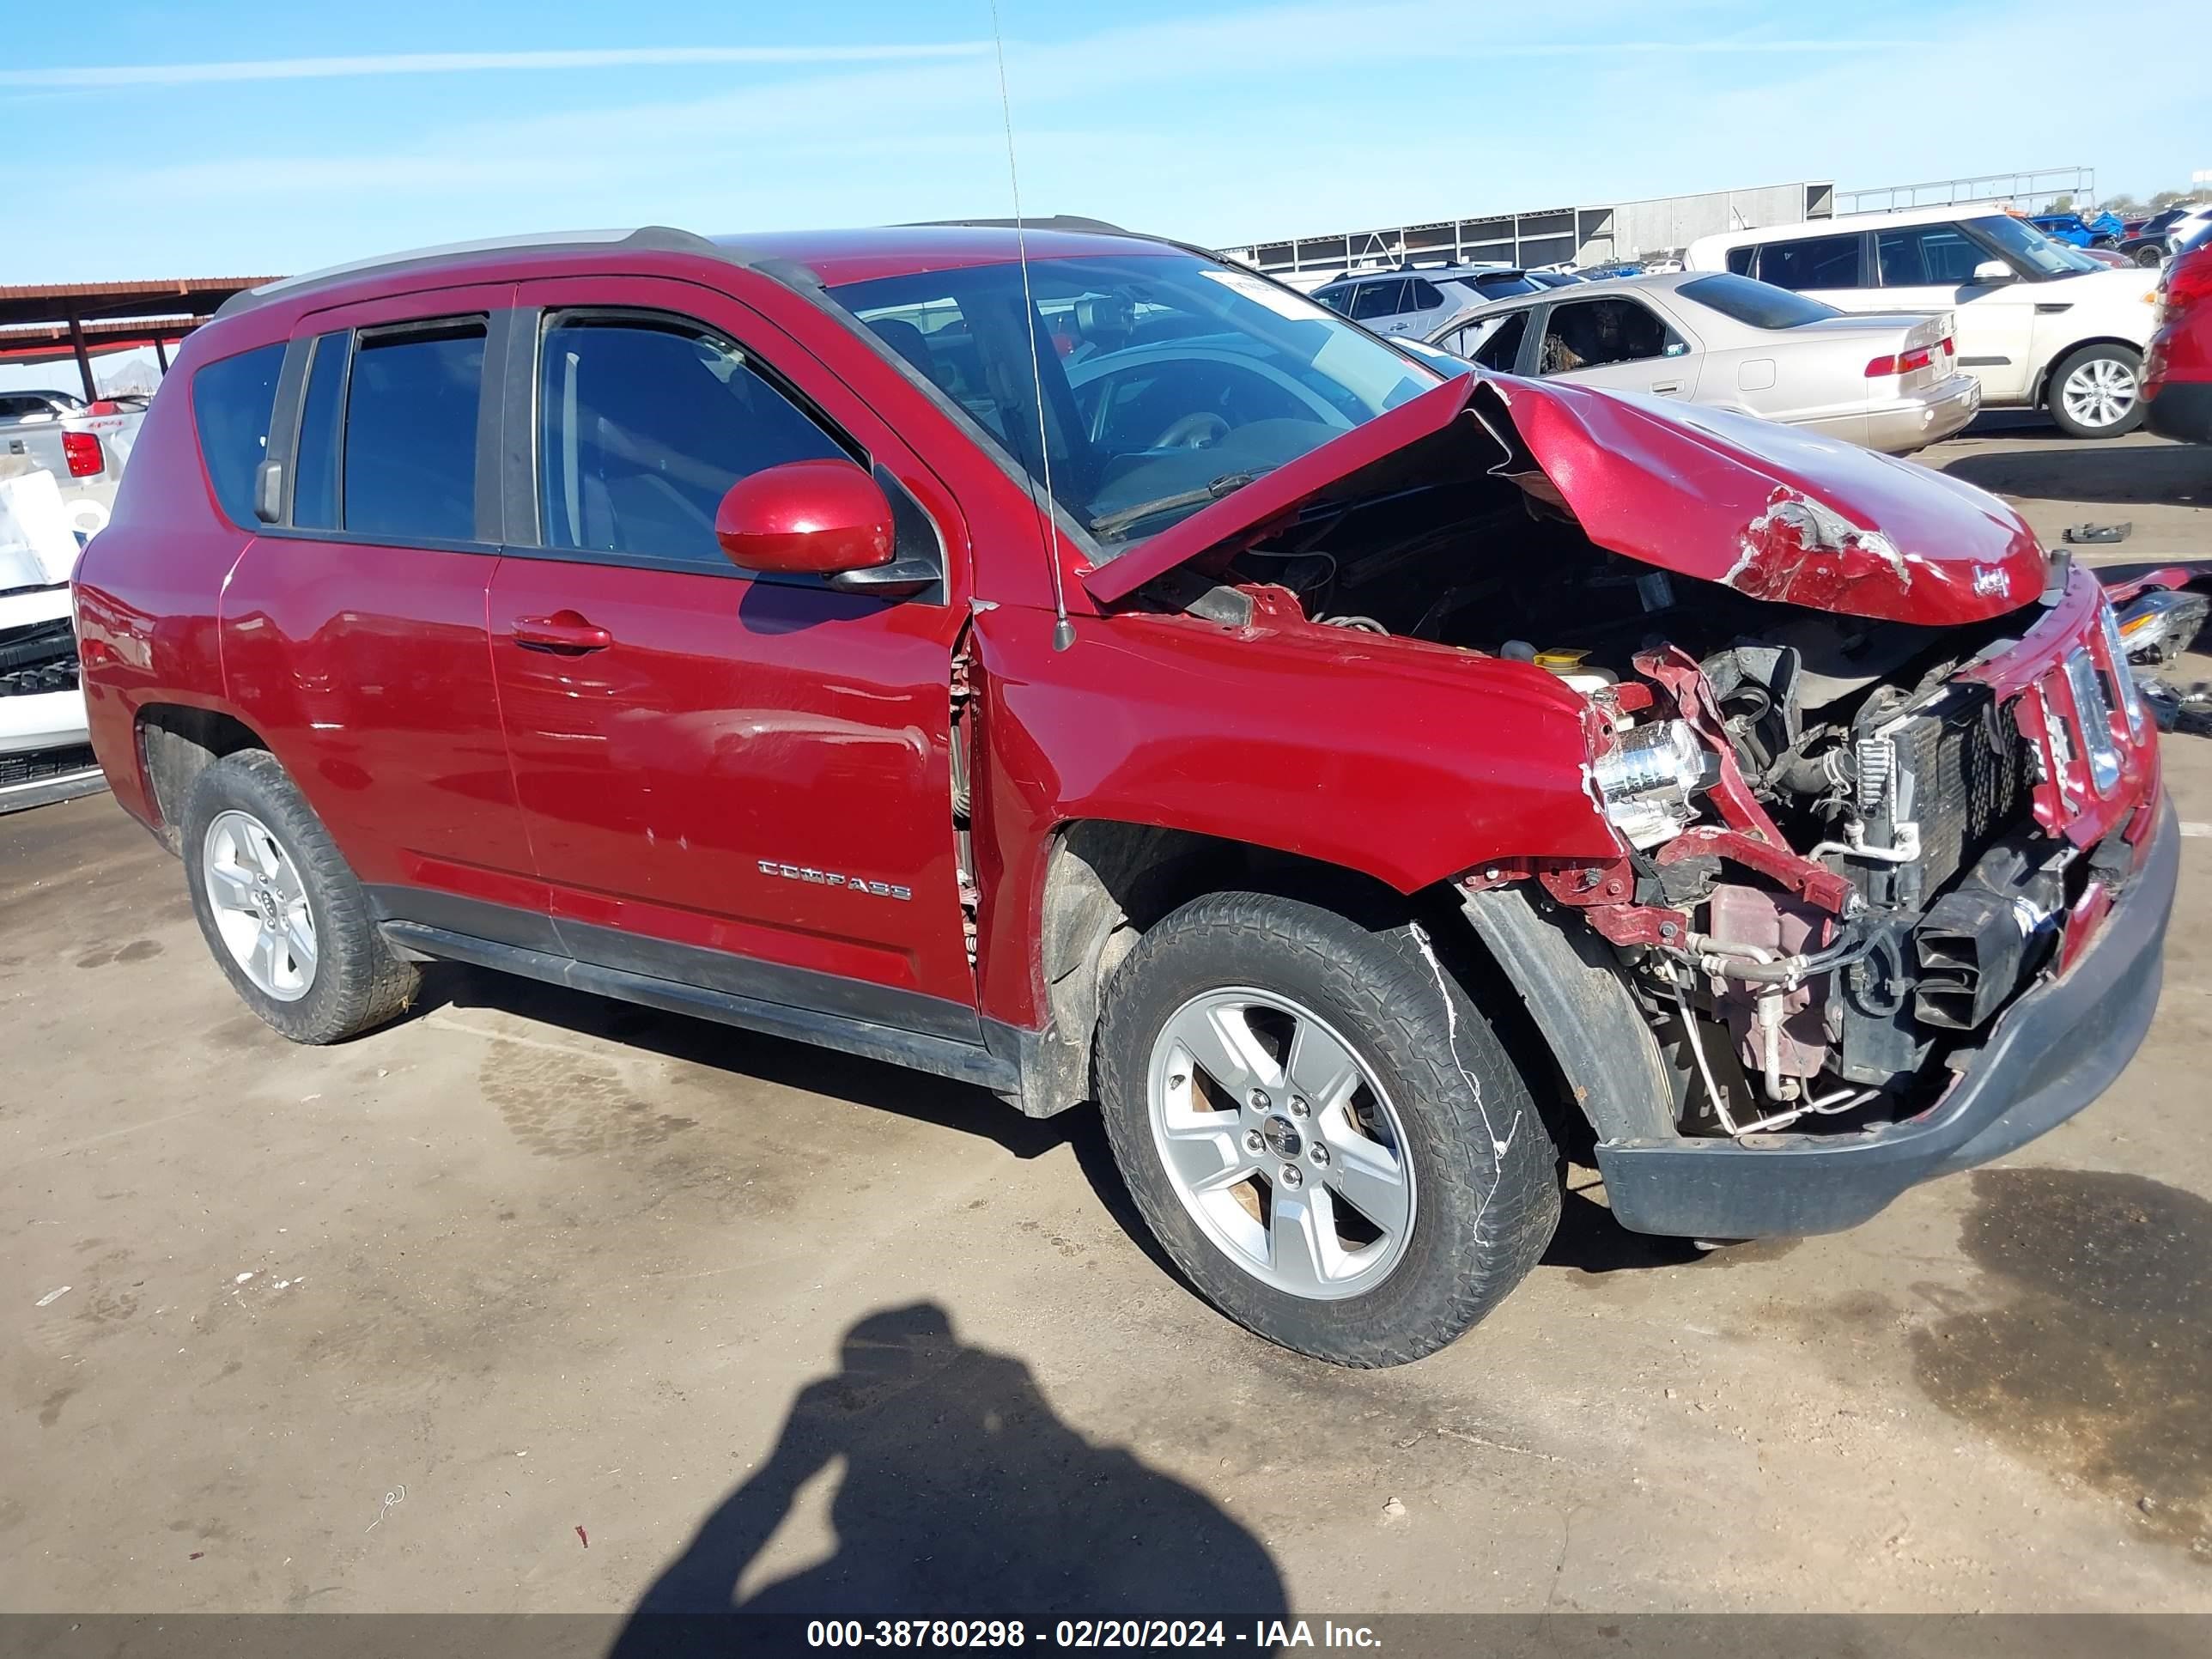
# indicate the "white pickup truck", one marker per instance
pixel 44 754
pixel 83 445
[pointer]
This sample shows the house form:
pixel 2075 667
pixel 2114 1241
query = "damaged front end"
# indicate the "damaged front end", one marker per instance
pixel 1880 775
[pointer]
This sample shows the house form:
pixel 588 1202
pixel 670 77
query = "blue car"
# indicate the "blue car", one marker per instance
pixel 2076 231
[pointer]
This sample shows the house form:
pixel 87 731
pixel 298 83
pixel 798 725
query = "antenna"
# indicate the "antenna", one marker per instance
pixel 1063 631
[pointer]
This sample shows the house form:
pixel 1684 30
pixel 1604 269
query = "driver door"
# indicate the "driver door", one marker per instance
pixel 1616 342
pixel 735 779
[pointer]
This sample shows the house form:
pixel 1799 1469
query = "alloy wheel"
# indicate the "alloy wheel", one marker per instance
pixel 2100 393
pixel 1281 1143
pixel 260 905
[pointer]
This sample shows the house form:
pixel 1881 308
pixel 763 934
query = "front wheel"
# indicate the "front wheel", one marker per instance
pixel 2096 391
pixel 1321 1129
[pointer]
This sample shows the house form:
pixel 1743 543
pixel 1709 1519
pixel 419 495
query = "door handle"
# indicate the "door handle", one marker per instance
pixel 563 631
pixel 1672 389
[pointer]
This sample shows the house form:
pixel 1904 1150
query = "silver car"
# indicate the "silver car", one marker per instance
pixel 1890 383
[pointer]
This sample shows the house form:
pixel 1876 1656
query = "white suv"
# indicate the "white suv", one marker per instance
pixel 1415 301
pixel 2039 323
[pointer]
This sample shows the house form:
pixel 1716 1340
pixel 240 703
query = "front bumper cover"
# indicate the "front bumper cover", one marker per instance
pixel 2055 1050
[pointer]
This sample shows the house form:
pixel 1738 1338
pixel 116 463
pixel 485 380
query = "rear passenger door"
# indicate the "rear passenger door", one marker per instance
pixel 1830 268
pixel 353 625
pixel 700 751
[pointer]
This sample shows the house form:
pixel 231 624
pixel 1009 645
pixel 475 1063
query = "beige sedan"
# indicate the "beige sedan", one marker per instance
pixel 1891 383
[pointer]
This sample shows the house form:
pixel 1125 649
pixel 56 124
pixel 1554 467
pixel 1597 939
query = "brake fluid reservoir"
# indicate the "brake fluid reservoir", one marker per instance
pixel 1570 665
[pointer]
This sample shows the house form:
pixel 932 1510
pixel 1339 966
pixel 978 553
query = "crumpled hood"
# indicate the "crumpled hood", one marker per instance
pixel 1773 513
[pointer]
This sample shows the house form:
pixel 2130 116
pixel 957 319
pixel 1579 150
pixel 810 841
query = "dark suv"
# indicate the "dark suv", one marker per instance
pixel 1112 675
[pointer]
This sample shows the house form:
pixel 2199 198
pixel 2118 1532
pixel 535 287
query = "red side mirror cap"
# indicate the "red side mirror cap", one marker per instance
pixel 810 518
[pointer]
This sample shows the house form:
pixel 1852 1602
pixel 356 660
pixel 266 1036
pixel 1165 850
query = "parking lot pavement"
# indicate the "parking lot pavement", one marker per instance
pixel 531 1302
pixel 2163 490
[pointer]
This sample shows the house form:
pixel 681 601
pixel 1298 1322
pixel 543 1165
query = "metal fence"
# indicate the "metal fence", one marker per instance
pixel 2031 192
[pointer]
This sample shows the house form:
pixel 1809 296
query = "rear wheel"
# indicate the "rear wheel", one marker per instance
pixel 2096 391
pixel 2151 255
pixel 1321 1129
pixel 285 917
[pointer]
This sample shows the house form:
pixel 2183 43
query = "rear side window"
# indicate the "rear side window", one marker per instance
pixel 643 426
pixel 1493 342
pixel 1814 262
pixel 1740 259
pixel 1422 295
pixel 232 401
pixel 411 433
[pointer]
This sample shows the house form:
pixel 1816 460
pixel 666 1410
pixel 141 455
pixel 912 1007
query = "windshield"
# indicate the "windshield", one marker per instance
pixel 1761 304
pixel 1167 380
pixel 2029 249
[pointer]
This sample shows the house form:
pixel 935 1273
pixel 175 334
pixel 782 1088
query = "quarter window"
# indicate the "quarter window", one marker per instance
pixel 1813 262
pixel 232 401
pixel 643 426
pixel 411 433
pixel 315 483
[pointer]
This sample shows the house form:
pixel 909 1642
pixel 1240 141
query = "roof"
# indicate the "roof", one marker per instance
pixel 837 256
pixel 830 257
pixel 1850 223
pixel 162 296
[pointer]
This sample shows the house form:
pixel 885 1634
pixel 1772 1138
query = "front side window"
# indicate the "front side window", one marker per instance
pixel 1594 333
pixel 1813 262
pixel 2027 249
pixel 643 424
pixel 1494 342
pixel 1160 381
pixel 1926 256
pixel 411 432
pixel 232 402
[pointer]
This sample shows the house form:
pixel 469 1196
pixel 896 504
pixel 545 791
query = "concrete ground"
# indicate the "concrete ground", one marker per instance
pixel 495 1309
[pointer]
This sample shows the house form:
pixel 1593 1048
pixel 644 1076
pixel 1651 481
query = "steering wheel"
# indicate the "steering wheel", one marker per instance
pixel 1201 429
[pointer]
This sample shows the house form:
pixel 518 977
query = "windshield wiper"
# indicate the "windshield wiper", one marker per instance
pixel 1106 524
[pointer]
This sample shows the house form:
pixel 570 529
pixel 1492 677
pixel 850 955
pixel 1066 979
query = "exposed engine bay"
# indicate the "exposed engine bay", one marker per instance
pixel 1835 879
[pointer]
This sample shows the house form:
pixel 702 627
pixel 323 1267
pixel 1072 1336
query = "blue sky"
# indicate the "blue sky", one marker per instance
pixel 223 139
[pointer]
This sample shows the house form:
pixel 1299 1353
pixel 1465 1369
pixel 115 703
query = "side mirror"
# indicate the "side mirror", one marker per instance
pixel 805 518
pixel 1994 270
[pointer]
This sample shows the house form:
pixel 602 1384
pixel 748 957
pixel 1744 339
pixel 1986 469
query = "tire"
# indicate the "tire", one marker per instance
pixel 1481 1173
pixel 250 836
pixel 2150 256
pixel 2085 391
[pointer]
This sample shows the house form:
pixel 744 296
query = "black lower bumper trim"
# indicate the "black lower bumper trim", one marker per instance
pixel 2058 1047
pixel 2182 409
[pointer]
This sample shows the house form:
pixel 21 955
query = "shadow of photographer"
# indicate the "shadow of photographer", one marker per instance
pixel 964 1496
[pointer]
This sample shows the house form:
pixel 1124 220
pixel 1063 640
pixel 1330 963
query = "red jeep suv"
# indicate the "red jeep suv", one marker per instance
pixel 1106 674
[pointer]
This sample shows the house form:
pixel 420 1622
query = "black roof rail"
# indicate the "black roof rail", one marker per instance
pixel 651 238
pixel 1056 222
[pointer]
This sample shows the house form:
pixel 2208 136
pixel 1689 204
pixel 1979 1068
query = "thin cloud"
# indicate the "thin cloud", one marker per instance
pixel 454 63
